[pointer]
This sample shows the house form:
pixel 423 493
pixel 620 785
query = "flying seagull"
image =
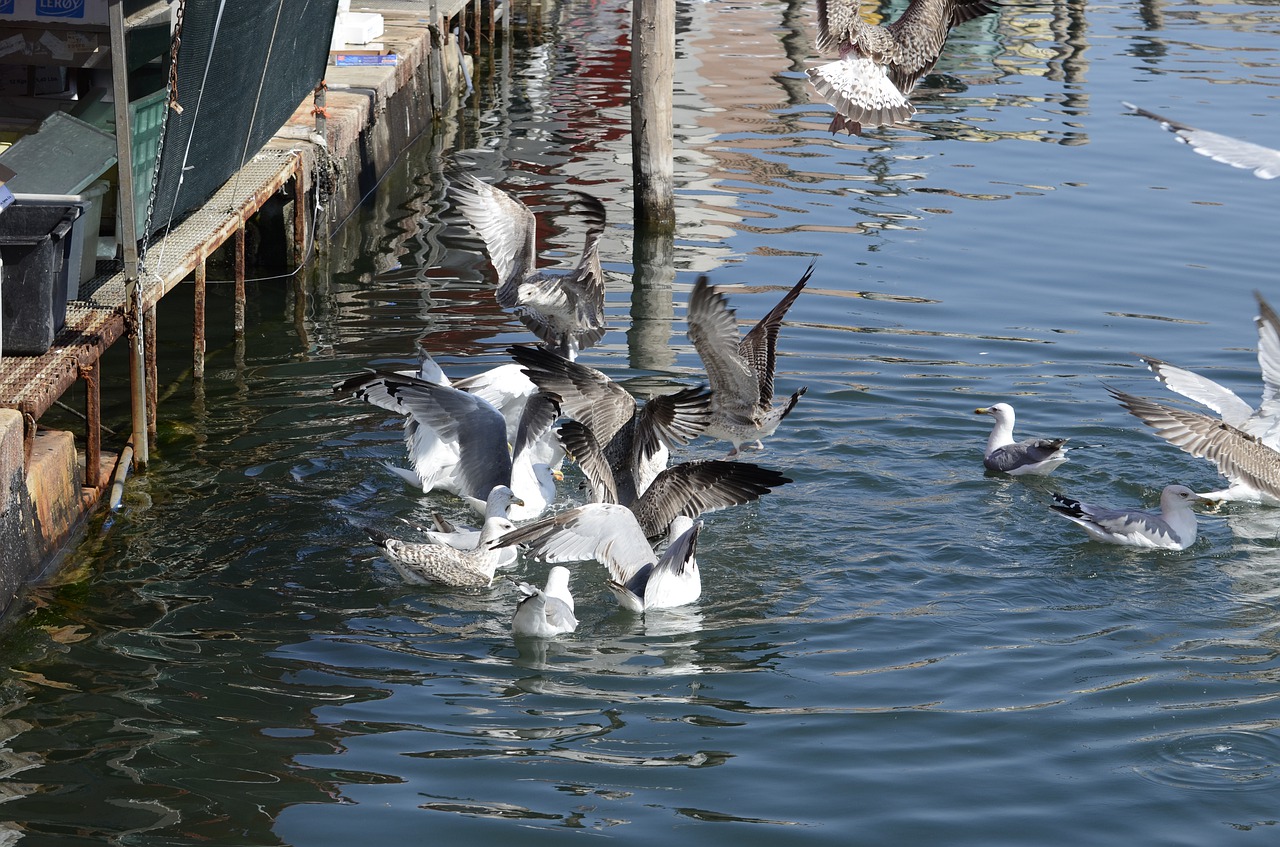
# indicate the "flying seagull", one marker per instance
pixel 880 65
pixel 740 371
pixel 1250 466
pixel 1263 161
pixel 564 309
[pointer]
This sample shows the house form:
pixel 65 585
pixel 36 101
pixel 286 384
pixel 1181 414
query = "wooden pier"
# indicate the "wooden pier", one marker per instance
pixel 50 480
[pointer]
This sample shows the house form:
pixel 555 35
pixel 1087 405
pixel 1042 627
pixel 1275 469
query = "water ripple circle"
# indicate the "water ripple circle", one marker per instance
pixel 1228 760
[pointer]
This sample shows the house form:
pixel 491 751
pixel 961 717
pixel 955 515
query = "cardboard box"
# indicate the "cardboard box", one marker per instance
pixel 87 12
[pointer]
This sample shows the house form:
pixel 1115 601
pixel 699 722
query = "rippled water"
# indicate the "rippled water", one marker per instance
pixel 893 649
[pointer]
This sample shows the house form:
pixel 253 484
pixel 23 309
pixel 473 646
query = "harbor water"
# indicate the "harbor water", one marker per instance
pixel 894 648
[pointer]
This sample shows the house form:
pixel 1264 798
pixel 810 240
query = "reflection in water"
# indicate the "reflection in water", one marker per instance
pixel 228 661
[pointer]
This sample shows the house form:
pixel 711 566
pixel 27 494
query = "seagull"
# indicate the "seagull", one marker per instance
pixel 687 488
pixel 1174 528
pixel 437 563
pixel 740 370
pixel 635 439
pixel 497 505
pixel 639 578
pixel 1037 456
pixel 1263 422
pixel 565 310
pixel 1251 467
pixel 545 612
pixel 880 65
pixel 1263 161
pixel 469 453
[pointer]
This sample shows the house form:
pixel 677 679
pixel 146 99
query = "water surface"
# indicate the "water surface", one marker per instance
pixel 895 648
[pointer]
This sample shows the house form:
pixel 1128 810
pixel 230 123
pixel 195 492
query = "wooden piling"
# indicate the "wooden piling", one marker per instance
pixel 299 217
pixel 653 56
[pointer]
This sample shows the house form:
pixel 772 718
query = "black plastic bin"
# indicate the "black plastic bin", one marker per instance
pixel 36 248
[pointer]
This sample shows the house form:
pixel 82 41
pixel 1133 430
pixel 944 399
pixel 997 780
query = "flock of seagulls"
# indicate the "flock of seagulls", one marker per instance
pixel 499 440
pixel 1242 442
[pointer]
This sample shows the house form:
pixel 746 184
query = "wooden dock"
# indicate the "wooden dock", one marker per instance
pixel 49 481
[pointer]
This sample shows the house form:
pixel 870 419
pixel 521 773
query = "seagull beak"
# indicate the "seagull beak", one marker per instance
pixel 558 476
pixel 983 411
pixel 516 501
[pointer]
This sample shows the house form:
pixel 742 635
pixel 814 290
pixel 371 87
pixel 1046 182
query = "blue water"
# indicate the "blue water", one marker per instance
pixel 894 649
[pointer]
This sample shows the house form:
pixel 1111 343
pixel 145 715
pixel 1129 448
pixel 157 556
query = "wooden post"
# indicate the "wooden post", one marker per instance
pixel 653 57
pixel 197 329
pixel 299 217
pixel 238 249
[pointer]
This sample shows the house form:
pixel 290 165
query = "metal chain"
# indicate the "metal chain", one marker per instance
pixel 172 104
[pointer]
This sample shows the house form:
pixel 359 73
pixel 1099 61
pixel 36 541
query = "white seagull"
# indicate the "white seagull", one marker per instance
pixel 1251 467
pixel 1263 161
pixel 545 612
pixel 880 65
pixel 740 370
pixel 436 563
pixel 639 578
pixel 1174 528
pixel 469 453
pixel 636 440
pixel 565 310
pixel 1038 456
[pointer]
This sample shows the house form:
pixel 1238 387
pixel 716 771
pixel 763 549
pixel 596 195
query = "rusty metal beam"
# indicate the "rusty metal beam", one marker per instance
pixel 153 388
pixel 93 426
pixel 238 250
pixel 197 331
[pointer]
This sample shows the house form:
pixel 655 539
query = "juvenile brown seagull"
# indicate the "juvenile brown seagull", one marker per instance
pixel 880 65
pixel 740 370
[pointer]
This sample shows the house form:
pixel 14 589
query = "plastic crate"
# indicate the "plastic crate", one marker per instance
pixel 35 247
pixel 83 261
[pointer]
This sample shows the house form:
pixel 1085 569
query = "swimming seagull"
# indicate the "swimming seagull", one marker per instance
pixel 545 612
pixel 565 310
pixel 1263 161
pixel 1038 456
pixel 1174 528
pixel 635 439
pixel 497 505
pixel 1250 466
pixel 639 578
pixel 880 65
pixel 469 454
pixel 740 370
pixel 437 563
